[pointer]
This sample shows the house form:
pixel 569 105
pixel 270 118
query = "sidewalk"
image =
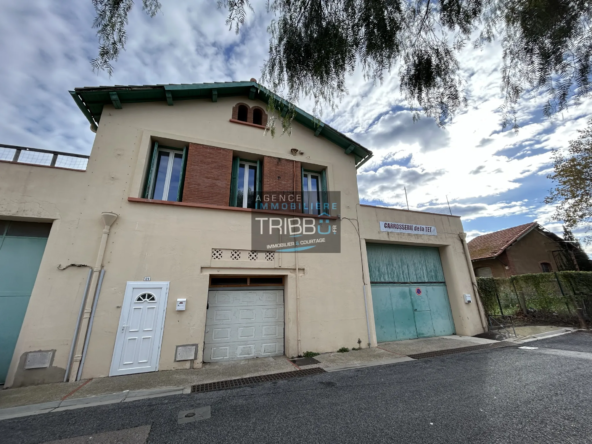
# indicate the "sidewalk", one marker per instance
pixel 99 391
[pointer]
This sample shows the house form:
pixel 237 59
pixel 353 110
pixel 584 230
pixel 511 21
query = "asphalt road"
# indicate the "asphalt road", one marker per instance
pixel 504 395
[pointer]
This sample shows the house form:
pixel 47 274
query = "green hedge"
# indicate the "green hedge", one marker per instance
pixel 547 296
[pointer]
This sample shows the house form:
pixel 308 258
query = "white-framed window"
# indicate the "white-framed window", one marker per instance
pixel 313 192
pixel 246 183
pixel 168 174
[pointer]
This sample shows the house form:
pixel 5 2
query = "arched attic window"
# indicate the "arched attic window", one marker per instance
pixel 243 113
pixel 257 117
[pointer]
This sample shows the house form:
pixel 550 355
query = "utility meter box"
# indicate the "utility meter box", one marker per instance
pixel 468 299
pixel 181 303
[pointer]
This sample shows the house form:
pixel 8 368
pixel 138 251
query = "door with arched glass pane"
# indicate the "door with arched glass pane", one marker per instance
pixel 137 346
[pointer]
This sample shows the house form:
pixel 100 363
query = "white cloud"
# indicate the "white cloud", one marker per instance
pixel 471 161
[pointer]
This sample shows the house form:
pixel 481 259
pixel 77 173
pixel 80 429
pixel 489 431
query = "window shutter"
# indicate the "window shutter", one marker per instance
pixel 149 191
pixel 258 186
pixel 234 182
pixel 182 176
pixel 324 193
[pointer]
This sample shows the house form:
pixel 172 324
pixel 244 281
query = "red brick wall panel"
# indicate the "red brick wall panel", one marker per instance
pixel 281 175
pixel 208 175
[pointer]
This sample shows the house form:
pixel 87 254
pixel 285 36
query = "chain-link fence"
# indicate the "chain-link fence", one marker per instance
pixel 562 297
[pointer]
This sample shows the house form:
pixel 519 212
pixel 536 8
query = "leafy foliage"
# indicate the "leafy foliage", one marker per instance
pixel 575 253
pixel 110 21
pixel 543 296
pixel 547 46
pixel 573 175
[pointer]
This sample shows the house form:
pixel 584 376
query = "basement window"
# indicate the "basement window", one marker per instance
pixel 167 170
pixel 546 267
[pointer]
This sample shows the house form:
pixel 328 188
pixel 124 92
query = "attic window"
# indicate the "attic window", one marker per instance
pixel 250 115
pixel 243 113
pixel 257 117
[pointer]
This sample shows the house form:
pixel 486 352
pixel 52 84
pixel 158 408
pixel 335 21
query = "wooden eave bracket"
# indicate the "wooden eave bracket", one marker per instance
pixel 214 95
pixel 169 97
pixel 115 100
pixel 319 129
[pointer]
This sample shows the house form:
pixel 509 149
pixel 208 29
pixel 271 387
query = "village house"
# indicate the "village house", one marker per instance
pixel 527 248
pixel 143 257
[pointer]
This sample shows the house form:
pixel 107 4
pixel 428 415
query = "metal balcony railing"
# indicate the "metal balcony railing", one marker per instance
pixel 35 156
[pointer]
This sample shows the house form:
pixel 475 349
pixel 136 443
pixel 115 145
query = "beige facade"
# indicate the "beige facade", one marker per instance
pixel 325 304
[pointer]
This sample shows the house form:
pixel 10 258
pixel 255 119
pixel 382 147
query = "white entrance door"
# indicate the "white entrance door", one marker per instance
pixel 243 324
pixel 137 346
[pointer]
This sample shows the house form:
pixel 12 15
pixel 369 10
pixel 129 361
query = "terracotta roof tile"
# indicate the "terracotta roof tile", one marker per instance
pixel 492 244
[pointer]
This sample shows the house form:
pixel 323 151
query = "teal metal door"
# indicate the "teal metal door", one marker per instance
pixel 21 249
pixel 408 292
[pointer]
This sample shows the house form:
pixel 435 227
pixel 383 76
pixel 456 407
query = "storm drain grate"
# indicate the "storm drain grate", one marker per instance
pixel 453 351
pixel 234 383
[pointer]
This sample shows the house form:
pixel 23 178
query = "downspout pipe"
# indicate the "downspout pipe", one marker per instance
pixel 298 345
pixel 78 320
pixel 463 241
pixel 90 325
pixel 108 220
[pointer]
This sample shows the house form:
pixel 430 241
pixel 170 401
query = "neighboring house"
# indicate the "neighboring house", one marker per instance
pixel 527 248
pixel 157 231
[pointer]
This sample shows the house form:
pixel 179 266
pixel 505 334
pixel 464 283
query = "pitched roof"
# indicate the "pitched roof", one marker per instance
pixel 92 99
pixel 491 245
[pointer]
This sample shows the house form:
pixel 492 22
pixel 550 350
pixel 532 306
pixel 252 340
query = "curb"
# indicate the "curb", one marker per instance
pixel 546 335
pixel 71 404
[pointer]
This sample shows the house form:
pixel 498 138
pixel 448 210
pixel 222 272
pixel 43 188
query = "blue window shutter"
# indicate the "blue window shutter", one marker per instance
pixel 234 182
pixel 324 194
pixel 258 186
pixel 149 191
pixel 182 177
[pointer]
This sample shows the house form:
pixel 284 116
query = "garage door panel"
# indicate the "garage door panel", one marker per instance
pixel 244 315
pixel 440 310
pixel 243 332
pixel 242 350
pixel 21 250
pixel 244 324
pixel 383 314
pixel 403 313
pixel 408 292
pixel 246 298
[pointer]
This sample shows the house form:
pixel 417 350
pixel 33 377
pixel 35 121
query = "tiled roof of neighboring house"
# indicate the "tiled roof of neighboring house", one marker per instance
pixel 91 100
pixel 493 244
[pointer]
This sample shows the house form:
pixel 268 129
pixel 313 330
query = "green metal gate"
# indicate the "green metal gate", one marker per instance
pixel 21 249
pixel 408 292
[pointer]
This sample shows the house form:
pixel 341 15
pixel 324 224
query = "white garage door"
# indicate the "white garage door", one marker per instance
pixel 244 324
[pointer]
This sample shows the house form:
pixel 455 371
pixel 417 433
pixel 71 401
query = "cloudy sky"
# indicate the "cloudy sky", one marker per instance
pixel 494 179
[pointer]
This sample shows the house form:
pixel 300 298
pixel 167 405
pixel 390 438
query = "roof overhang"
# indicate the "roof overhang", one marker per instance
pixel 509 244
pixel 91 101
